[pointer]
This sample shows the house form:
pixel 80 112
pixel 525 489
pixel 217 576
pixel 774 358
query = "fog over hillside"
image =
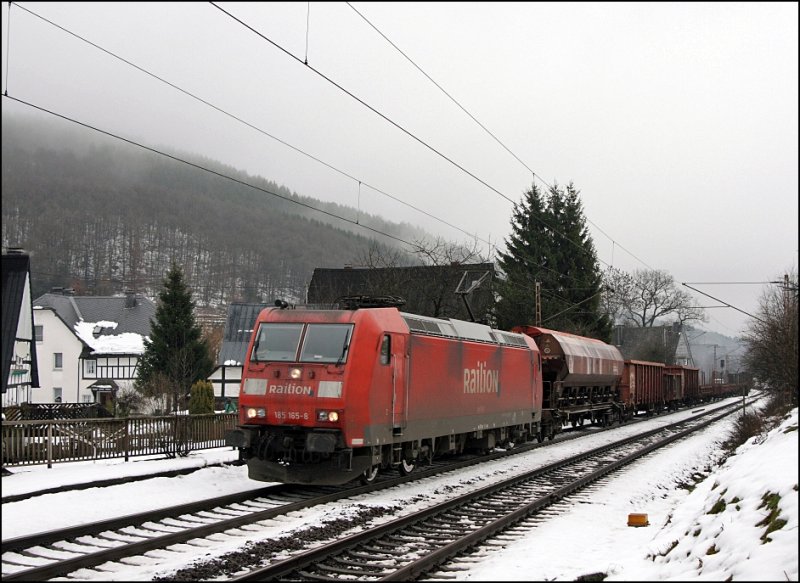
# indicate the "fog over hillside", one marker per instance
pixel 101 216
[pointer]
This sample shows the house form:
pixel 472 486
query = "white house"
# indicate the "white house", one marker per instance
pixel 88 346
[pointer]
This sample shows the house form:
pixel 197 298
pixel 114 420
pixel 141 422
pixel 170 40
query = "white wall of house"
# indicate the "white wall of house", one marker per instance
pixel 58 338
pixel 232 376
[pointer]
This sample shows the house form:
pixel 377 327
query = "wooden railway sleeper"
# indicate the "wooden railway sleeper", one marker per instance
pixel 312 577
pixel 387 551
pixel 372 565
pixel 430 533
pixel 357 558
pixel 360 570
pixel 401 538
pixel 371 556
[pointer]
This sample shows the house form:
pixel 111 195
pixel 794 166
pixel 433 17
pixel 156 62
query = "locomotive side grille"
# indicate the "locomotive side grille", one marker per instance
pixel 426 326
pixel 513 339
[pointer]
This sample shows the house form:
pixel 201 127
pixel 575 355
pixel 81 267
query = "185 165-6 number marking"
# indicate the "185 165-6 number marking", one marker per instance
pixel 291 416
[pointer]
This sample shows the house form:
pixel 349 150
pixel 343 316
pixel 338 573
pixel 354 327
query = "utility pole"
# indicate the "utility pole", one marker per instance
pixel 714 367
pixel 538 296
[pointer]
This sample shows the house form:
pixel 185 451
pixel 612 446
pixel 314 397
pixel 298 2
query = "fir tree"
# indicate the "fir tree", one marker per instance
pixel 550 244
pixel 176 349
pixel 523 263
pixel 201 401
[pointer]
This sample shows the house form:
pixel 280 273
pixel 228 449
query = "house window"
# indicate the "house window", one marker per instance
pixel 38 332
pixel 90 368
pixel 87 399
pixel 58 360
pixel 57 394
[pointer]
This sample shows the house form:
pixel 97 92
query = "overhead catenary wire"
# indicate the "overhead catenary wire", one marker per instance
pixel 263 132
pixel 397 125
pixel 490 133
pixel 203 168
pixel 246 123
pixel 320 161
pixel 8 47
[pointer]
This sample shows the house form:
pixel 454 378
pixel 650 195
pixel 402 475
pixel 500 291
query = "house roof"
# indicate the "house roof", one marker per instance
pixel 106 324
pixel 427 290
pixel 238 327
pixel 15 284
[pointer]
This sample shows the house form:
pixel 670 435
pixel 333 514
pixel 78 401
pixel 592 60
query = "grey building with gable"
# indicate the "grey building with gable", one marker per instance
pixel 438 291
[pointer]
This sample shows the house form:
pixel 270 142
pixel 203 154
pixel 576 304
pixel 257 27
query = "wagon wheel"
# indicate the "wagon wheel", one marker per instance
pixel 407 466
pixel 368 476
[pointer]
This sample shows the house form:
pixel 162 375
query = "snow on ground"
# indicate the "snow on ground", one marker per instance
pixel 673 487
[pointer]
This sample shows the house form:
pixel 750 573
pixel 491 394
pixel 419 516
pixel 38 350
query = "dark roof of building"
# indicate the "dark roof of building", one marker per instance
pixel 427 290
pixel 238 327
pixel 16 269
pixel 130 316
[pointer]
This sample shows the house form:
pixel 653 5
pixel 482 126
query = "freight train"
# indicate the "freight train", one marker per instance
pixel 329 396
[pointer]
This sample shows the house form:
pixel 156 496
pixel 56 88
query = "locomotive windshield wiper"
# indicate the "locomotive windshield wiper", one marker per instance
pixel 344 348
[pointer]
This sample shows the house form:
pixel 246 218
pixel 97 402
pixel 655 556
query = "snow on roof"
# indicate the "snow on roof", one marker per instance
pixel 96 336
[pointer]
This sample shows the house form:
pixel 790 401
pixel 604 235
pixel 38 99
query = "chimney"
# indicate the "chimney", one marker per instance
pixel 130 299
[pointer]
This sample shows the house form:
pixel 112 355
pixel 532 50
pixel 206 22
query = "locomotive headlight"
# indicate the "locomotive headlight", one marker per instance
pixel 323 415
pixel 295 373
pixel 253 412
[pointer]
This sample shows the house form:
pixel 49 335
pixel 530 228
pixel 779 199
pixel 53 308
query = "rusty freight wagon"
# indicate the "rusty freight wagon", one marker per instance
pixel 642 387
pixel 580 378
pixel 681 385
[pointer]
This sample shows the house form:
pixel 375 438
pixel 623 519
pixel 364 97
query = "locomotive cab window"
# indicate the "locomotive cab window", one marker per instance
pixel 277 342
pixel 328 343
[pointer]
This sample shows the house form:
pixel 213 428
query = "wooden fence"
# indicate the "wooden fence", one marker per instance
pixel 61 440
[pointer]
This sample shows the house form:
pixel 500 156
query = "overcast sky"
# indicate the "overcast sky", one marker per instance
pixel 677 122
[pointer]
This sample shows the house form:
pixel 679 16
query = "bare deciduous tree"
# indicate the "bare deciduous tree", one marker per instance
pixel 772 342
pixel 438 251
pixel 617 285
pixel 646 296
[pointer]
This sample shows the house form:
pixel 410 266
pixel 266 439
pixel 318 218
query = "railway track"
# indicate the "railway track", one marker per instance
pixel 58 553
pixel 410 547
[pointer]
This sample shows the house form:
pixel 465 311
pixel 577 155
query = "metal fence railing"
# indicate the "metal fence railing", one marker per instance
pixel 63 440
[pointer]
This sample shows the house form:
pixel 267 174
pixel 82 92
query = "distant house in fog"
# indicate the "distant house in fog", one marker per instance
pixel 20 368
pixel 88 346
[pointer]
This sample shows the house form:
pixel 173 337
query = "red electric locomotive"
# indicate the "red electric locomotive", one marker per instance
pixel 332 395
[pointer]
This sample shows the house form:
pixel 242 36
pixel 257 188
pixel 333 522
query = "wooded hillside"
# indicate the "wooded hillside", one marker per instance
pixel 102 216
